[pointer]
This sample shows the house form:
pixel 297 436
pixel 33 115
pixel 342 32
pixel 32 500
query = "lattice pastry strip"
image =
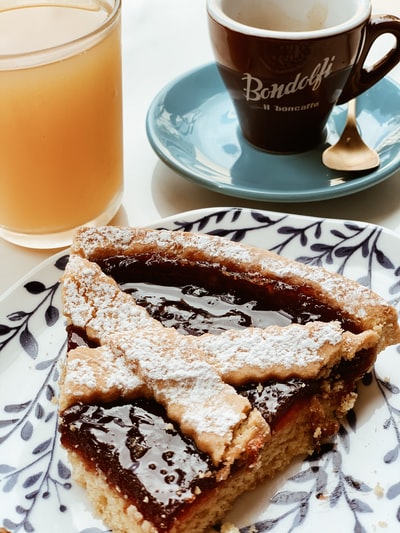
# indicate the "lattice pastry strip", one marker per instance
pixel 188 382
pixel 207 409
pixel 100 307
pixel 94 302
pixel 102 374
pixel 91 375
pixel 150 363
pixel 194 377
pixel 140 357
pixel 365 307
pixel 306 351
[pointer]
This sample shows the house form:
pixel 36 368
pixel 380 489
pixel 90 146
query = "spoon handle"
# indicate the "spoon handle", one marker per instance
pixel 352 113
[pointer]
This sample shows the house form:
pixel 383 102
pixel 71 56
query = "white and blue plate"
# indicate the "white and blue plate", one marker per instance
pixel 192 126
pixel 353 486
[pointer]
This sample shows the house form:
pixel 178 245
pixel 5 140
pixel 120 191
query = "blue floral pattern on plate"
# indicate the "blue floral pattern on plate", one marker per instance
pixel 353 484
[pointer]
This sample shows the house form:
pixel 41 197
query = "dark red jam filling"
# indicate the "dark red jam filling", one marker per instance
pixel 143 453
pixel 199 297
pixel 135 445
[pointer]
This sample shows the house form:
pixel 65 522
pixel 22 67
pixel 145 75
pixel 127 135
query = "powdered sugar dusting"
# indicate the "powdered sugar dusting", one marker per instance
pixel 99 305
pixel 97 373
pixel 95 239
pixel 284 350
pixel 189 375
pixel 94 301
pixel 351 296
pixel 188 387
pixel 80 376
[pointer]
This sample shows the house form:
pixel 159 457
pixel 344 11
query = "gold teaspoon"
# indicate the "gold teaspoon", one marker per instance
pixel 350 153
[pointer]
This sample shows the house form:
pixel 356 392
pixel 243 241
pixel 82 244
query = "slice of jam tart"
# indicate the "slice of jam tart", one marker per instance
pixel 197 367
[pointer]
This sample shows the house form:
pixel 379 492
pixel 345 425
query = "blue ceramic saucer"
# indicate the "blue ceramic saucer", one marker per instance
pixel 192 126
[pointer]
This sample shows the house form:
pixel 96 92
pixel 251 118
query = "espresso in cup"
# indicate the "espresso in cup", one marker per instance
pixel 286 63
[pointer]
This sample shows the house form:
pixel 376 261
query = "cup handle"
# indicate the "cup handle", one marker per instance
pixel 362 78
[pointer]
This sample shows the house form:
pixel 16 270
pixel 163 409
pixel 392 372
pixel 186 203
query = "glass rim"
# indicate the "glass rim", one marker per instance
pixel 27 59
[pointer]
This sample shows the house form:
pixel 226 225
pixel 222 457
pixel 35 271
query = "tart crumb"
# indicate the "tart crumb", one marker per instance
pixel 229 528
pixel 379 491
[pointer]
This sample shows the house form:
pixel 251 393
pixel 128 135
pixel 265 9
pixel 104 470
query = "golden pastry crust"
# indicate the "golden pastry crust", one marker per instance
pixel 306 351
pixel 207 409
pixel 172 368
pixel 193 378
pixel 138 356
pixel 366 308
pixel 94 302
pixel 91 375
pixel 109 372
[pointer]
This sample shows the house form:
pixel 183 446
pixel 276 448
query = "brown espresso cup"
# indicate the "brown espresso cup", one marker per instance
pixel 287 63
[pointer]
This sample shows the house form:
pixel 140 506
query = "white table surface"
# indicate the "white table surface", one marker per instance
pixel 161 40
